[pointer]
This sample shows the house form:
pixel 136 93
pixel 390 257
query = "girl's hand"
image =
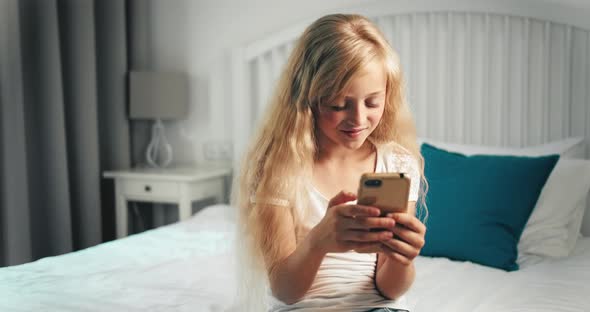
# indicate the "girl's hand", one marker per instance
pixel 346 227
pixel 408 238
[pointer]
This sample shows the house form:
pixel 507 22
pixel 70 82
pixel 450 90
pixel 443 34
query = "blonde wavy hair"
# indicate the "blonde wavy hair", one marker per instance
pixel 280 158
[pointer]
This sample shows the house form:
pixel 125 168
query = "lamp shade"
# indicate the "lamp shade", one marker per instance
pixel 158 95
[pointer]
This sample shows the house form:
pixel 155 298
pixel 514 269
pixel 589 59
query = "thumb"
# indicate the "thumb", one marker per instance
pixel 341 198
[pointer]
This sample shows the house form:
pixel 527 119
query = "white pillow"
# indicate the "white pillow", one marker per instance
pixel 554 224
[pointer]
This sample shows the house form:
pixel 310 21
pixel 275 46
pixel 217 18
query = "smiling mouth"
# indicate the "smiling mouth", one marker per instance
pixel 353 132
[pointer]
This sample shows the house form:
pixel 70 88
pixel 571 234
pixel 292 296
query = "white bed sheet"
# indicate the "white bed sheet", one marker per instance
pixel 550 285
pixel 189 266
pixel 180 267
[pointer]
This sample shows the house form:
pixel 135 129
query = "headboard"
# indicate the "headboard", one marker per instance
pixel 502 73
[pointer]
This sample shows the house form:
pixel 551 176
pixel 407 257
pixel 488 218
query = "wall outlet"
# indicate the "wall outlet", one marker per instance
pixel 218 150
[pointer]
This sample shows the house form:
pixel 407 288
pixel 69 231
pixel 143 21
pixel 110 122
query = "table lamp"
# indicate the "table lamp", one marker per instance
pixel 158 96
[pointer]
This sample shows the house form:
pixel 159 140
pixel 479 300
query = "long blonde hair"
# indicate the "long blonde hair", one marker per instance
pixel 279 161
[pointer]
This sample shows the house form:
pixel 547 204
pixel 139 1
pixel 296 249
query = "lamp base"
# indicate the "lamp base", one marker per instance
pixel 159 151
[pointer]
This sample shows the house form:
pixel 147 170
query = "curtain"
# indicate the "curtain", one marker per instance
pixel 63 122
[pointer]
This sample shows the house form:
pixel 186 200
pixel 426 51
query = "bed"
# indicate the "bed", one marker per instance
pixel 506 74
pixel 188 266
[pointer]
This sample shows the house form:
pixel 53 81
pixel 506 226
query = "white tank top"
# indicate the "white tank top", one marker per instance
pixel 346 281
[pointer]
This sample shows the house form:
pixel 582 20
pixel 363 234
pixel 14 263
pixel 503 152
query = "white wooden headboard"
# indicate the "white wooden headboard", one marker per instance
pixel 504 73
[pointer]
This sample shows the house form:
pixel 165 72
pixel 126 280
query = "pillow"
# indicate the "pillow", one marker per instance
pixel 549 231
pixel 554 225
pixel 478 205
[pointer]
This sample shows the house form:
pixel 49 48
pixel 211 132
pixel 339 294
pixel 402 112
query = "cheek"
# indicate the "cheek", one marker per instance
pixel 375 116
pixel 329 120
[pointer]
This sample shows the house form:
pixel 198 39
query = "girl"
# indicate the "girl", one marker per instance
pixel 339 111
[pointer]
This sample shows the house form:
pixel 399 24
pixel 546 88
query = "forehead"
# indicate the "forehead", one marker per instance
pixel 370 79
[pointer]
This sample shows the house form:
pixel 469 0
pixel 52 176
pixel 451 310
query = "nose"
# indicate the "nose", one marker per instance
pixel 357 114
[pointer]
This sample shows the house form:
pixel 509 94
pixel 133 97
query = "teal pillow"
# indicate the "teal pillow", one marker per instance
pixel 478 205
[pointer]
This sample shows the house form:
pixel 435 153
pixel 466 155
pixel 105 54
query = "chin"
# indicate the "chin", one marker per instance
pixel 353 145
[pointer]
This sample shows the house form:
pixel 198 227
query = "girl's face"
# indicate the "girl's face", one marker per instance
pixel 354 115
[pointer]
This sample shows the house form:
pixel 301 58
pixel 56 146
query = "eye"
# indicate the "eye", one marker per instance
pixel 374 101
pixel 337 108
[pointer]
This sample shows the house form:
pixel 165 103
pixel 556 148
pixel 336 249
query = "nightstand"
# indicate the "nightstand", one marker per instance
pixel 179 186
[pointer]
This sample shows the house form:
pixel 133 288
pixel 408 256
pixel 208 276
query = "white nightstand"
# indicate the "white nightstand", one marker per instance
pixel 179 186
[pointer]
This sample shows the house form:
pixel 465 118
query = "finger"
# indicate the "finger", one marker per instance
pixel 341 198
pixel 368 223
pixel 369 248
pixel 402 248
pixel 363 236
pixel 412 238
pixel 395 256
pixel 409 221
pixel 363 246
pixel 358 211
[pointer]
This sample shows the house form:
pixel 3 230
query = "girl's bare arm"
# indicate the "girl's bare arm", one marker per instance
pixel 291 267
pixel 395 266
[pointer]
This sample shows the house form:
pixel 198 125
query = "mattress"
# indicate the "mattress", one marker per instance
pixel 189 266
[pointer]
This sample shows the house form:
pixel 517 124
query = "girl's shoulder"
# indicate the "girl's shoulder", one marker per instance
pixel 394 150
pixel 397 158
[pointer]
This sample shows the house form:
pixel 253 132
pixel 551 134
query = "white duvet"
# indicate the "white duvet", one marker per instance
pixel 188 266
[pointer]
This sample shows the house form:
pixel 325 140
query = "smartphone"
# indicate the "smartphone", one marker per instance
pixel 387 191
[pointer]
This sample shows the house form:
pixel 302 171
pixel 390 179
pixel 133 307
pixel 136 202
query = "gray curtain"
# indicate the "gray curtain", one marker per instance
pixel 63 67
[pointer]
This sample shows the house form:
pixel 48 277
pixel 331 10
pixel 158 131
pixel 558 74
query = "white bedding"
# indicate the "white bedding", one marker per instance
pixel 179 267
pixel 550 285
pixel 188 266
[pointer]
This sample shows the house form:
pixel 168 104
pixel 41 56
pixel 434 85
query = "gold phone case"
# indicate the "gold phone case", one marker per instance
pixel 387 191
